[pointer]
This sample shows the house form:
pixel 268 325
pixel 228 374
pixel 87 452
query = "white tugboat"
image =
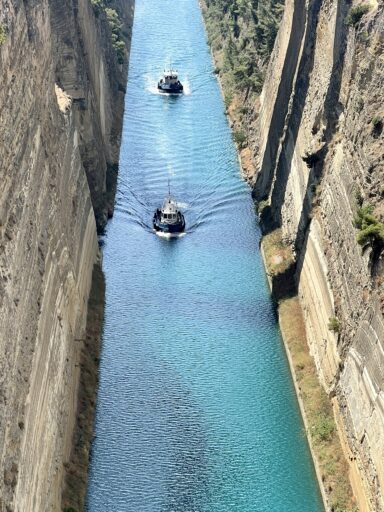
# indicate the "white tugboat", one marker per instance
pixel 170 83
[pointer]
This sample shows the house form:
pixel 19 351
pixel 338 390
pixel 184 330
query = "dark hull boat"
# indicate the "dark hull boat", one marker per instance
pixel 176 88
pixel 170 83
pixel 168 219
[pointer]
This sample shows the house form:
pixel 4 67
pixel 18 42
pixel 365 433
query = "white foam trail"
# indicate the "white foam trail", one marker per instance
pixel 153 89
pixel 168 236
pixel 187 86
pixel 151 84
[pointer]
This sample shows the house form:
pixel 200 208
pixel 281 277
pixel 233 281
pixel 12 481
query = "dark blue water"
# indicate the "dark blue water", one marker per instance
pixel 196 407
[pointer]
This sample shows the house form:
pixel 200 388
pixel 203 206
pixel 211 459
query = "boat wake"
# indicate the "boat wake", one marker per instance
pixel 181 205
pixel 168 236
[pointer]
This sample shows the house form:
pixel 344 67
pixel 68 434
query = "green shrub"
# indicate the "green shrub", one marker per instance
pixel 336 507
pixel 244 32
pixel 70 509
pixel 244 110
pixel 324 428
pixel 239 137
pixel 116 26
pixel 362 213
pixel 356 13
pixel 113 20
pixel 119 47
pixel 377 122
pixel 372 234
pixel 371 230
pixel 261 205
pixel 3 34
pixel 228 100
pixel 334 324
pixel 98 6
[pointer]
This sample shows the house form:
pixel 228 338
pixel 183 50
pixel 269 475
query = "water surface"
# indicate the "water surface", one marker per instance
pixel 196 408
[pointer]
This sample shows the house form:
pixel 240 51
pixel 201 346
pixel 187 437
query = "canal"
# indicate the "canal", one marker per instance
pixel 196 407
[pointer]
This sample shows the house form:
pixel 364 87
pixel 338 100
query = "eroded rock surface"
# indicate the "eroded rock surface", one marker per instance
pixel 319 157
pixel 61 104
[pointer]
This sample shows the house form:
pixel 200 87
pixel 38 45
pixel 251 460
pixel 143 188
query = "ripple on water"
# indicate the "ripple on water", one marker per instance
pixel 196 410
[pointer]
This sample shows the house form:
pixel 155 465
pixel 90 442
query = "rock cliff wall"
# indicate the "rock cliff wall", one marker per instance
pixel 319 164
pixel 61 104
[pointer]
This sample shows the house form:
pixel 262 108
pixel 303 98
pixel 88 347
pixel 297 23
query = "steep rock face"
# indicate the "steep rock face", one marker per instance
pixel 60 117
pixel 319 158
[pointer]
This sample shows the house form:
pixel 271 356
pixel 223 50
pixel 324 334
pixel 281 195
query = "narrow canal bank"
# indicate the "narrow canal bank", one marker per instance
pixel 330 454
pixel 196 407
pixel 77 467
pixel 317 409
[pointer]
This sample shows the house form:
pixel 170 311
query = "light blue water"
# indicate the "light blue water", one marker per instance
pixel 196 407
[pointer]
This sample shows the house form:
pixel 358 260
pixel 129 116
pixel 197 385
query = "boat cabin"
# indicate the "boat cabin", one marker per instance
pixel 170 82
pixel 169 213
pixel 170 77
pixel 168 219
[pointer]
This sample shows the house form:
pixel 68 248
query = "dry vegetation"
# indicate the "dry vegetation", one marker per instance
pixel 322 433
pixel 318 410
pixel 278 255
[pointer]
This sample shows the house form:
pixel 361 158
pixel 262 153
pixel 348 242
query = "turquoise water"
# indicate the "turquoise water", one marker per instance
pixel 196 408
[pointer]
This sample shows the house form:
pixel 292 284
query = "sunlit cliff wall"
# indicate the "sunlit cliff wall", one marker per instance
pixel 61 103
pixel 319 158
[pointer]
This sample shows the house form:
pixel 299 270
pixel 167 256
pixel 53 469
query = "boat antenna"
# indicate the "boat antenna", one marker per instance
pixel 169 188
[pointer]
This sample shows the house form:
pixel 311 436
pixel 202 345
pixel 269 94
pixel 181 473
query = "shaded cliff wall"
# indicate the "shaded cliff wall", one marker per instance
pixel 61 105
pixel 318 159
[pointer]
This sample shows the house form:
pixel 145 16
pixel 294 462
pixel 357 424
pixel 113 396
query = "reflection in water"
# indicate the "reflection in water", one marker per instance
pixel 196 409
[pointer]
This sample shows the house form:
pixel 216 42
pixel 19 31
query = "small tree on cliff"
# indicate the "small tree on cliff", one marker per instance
pixel 356 13
pixel 371 230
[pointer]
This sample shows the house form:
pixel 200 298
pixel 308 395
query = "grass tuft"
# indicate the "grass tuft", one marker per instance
pixel 3 35
pixel 278 255
pixel 334 324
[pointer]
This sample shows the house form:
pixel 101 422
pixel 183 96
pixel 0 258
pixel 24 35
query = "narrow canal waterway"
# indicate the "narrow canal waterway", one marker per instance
pixel 196 407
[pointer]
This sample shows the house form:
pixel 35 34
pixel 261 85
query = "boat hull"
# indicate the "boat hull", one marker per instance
pixel 176 89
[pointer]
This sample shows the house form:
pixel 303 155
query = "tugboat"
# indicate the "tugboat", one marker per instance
pixel 169 219
pixel 170 83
